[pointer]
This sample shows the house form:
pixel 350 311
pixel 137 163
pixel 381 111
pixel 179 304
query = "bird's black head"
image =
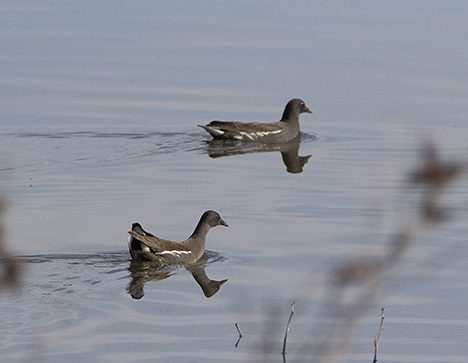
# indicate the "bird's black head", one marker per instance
pixel 294 108
pixel 213 219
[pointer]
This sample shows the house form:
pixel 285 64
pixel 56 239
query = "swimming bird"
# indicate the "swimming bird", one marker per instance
pixel 144 246
pixel 282 131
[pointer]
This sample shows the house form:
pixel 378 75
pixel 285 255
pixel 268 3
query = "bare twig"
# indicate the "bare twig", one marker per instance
pixel 287 328
pixel 376 341
pixel 240 335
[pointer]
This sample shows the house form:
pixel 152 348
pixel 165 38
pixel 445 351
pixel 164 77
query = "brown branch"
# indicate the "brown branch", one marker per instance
pixel 10 267
pixel 376 341
pixel 287 328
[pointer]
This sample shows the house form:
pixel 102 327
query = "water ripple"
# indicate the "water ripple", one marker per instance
pixel 93 148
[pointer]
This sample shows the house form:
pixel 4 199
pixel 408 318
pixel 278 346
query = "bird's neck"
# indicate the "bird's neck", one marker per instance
pixel 293 125
pixel 289 117
pixel 201 230
pixel 198 237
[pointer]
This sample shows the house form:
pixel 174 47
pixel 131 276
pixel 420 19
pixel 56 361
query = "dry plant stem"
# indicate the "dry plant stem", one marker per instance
pixel 376 341
pixel 287 328
pixel 240 335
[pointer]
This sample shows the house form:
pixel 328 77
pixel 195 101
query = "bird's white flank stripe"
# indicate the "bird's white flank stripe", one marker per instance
pixel 271 132
pixel 250 136
pixel 255 135
pixel 174 252
pixel 217 131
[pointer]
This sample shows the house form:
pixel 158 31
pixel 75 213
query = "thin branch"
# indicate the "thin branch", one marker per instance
pixel 376 341
pixel 240 335
pixel 287 328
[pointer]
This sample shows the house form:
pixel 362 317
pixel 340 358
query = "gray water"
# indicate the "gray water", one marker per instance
pixel 99 108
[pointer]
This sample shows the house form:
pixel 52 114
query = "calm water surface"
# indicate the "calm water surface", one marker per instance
pixel 100 104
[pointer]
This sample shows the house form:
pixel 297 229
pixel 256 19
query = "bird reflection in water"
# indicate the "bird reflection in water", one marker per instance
pixel 142 272
pixel 289 151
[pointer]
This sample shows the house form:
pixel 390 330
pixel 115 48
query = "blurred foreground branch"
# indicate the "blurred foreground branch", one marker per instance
pixel 10 266
pixel 355 283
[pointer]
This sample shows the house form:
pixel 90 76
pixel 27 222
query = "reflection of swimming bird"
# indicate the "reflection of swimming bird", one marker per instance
pixel 144 246
pixel 284 130
pixel 289 151
pixel 142 272
pixel 209 287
